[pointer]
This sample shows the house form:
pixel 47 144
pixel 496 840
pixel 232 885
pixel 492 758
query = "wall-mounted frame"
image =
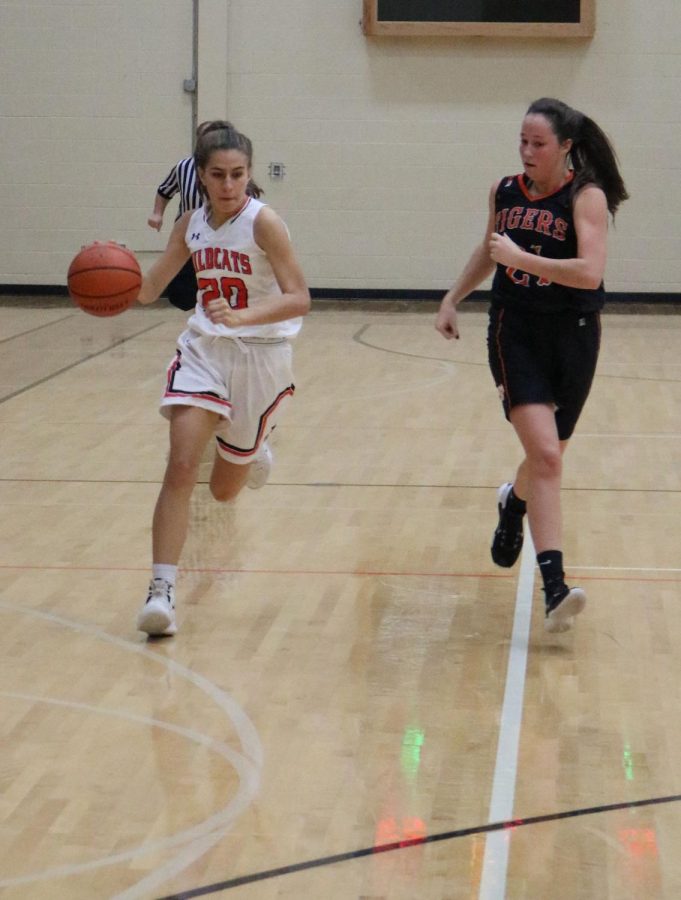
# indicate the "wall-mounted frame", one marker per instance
pixel 487 18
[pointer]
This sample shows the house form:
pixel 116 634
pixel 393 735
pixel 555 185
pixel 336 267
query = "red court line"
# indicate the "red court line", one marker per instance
pixel 224 571
pixel 359 573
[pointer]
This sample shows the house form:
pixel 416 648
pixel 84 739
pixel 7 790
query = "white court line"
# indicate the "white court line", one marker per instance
pixel 495 861
pixel 197 839
pixel 248 779
pixel 623 569
pixel 643 435
pixel 248 735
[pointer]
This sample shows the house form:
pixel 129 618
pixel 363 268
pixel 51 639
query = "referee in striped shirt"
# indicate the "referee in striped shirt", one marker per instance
pixel 181 179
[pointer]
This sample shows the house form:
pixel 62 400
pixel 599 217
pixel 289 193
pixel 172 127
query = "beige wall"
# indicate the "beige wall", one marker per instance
pixel 390 145
pixel 92 115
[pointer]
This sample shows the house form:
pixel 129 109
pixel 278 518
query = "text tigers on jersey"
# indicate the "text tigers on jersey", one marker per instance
pixel 542 221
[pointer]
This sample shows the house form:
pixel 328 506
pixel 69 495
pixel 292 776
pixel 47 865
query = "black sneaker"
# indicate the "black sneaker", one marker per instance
pixel 562 607
pixel 508 537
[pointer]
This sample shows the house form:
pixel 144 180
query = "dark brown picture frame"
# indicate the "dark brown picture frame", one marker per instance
pixel 375 27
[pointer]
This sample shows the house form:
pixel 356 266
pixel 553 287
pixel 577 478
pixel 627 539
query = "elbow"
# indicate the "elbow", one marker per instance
pixel 594 281
pixel 142 296
pixel 304 304
pixel 146 295
pixel 592 275
pixel 149 292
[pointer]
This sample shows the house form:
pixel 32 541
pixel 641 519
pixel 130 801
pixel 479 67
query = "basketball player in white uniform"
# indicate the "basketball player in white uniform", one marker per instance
pixel 182 180
pixel 231 376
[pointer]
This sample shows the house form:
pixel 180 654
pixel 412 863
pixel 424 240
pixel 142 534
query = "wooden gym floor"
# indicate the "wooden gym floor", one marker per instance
pixel 358 703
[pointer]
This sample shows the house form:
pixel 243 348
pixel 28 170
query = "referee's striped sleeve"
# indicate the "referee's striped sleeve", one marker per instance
pixel 170 185
pixel 190 196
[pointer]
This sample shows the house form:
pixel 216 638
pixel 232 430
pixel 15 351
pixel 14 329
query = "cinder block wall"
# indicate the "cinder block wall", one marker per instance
pixel 389 144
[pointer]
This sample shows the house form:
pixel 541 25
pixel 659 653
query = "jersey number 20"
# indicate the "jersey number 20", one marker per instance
pixel 232 289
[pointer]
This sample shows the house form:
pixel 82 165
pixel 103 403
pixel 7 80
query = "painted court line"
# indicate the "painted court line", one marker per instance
pixel 495 860
pixel 211 828
pixel 323 861
pixel 195 840
pixel 77 362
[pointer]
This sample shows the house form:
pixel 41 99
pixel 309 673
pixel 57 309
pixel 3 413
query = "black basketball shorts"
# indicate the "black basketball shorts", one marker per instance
pixel 181 291
pixel 548 359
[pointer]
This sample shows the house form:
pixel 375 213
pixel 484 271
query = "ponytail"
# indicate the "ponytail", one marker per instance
pixel 592 156
pixel 594 161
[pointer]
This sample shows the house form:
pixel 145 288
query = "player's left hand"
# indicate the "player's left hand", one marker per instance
pixel 221 313
pixel 504 251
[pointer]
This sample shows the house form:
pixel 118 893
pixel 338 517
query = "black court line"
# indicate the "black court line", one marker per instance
pixel 350 484
pixel 509 824
pixel 358 337
pixel 78 362
pixel 21 334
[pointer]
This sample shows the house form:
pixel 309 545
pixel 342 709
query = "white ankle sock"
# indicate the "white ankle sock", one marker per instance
pixel 161 570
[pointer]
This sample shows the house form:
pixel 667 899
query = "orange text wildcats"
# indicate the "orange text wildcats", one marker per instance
pixel 222 258
pixel 529 219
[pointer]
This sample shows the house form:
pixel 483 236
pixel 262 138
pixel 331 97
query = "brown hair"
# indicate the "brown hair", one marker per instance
pixel 219 134
pixel 592 155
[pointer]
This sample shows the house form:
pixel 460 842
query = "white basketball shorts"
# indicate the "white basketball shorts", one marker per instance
pixel 246 381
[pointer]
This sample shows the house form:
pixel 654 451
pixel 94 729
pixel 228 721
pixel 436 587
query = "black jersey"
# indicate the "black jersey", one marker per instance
pixel 542 225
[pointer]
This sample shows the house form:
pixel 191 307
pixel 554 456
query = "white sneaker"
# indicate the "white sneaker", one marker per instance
pixel 157 616
pixel 559 615
pixel 260 467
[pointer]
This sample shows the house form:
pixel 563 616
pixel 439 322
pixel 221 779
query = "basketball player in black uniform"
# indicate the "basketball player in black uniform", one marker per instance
pixel 546 244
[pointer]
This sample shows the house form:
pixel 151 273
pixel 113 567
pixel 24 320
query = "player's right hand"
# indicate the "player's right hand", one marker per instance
pixel 446 322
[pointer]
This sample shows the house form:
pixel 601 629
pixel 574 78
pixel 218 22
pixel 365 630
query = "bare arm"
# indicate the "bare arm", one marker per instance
pixel 479 266
pixel 585 270
pixel 272 237
pixel 168 264
pixel 155 220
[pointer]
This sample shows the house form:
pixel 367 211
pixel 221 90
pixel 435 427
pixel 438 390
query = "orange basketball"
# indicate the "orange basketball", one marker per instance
pixel 104 278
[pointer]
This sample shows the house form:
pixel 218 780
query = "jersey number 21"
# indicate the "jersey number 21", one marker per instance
pixel 523 278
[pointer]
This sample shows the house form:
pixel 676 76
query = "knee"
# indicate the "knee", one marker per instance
pixel 181 474
pixel 223 492
pixel 546 461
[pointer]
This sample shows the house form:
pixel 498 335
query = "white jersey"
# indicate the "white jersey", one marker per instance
pixel 229 263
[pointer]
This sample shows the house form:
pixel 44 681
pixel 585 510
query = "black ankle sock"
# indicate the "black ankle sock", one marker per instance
pixel 550 564
pixel 515 505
